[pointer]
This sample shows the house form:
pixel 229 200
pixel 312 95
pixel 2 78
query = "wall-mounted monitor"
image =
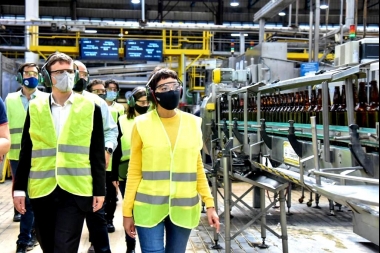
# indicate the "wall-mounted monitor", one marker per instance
pixel 143 50
pixel 99 49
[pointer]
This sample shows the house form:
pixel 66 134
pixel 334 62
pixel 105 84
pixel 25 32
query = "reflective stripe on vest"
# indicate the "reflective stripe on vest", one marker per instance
pixel 126 126
pixel 160 200
pixel 64 161
pixel 175 171
pixel 165 175
pixel 16 117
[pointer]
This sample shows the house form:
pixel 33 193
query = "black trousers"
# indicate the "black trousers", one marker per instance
pixel 110 200
pixel 97 228
pixel 59 219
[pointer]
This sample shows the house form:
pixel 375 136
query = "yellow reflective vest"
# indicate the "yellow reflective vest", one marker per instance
pixel 64 162
pixel 169 177
pixel 16 117
pixel 126 126
pixel 119 108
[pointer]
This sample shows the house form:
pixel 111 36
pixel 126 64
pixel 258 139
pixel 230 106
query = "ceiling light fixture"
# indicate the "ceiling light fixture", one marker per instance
pixel 282 13
pixel 234 3
pixel 135 1
pixel 238 34
pixel 324 6
pixel 90 31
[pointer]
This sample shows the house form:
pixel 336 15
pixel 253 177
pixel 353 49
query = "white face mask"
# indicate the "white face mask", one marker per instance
pixel 65 82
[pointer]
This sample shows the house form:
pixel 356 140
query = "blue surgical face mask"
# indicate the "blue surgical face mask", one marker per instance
pixel 111 95
pixel 30 82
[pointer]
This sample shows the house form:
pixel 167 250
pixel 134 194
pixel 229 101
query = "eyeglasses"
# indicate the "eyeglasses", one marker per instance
pixel 112 89
pixel 61 71
pixel 30 74
pixel 165 87
pixel 143 102
pixel 83 74
pixel 99 91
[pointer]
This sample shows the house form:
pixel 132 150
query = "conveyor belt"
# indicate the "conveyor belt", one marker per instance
pixel 343 194
pixel 272 128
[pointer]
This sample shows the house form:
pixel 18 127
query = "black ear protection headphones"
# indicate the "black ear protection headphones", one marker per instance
pixel 20 76
pixel 46 78
pixel 150 93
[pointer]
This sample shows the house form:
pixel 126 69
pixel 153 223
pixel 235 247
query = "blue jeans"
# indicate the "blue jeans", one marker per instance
pixel 152 239
pixel 27 220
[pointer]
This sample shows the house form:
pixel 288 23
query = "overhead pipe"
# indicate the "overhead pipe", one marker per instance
pixel 290 15
pixel 341 21
pixel 158 26
pixel 350 19
pixel 143 11
pixel 316 31
pixel 73 9
pixel 311 32
pixel 365 14
pixel 297 7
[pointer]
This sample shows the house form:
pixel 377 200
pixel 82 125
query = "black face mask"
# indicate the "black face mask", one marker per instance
pixel 168 100
pixel 102 96
pixel 80 85
pixel 141 109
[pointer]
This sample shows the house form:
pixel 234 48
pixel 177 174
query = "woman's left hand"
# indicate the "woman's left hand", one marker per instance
pixel 213 218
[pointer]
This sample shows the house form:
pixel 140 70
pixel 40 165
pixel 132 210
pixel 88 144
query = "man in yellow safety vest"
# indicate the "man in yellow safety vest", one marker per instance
pixel 61 160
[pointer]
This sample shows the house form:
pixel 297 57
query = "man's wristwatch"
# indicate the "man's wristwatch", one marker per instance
pixel 109 150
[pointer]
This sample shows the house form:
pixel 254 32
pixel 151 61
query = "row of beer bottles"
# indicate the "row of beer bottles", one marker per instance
pixel 299 107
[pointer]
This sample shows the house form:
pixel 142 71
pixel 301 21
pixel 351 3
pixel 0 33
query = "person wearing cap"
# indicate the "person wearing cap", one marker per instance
pixel 62 159
pixel 17 103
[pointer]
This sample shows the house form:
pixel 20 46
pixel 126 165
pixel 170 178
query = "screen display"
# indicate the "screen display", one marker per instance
pixel 143 50
pixel 99 49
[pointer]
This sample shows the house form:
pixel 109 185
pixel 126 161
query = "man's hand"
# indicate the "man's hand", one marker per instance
pixel 213 218
pixel 19 203
pixel 108 158
pixel 97 203
pixel 129 226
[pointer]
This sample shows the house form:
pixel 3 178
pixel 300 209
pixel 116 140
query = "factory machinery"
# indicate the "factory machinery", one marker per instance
pixel 276 134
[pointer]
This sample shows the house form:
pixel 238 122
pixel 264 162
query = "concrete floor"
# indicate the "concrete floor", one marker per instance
pixel 309 229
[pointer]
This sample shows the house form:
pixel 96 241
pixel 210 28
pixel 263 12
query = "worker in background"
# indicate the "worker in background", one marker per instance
pixel 137 104
pixel 113 90
pixel 96 222
pixel 165 173
pixel 5 142
pixel 109 125
pixel 97 86
pixel 17 103
pixel 61 160
pixel 98 225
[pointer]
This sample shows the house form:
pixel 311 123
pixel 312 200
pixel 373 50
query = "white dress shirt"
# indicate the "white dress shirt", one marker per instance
pixel 60 113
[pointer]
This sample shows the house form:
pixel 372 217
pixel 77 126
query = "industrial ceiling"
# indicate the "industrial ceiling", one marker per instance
pixel 214 11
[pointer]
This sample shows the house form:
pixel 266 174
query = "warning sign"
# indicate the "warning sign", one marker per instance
pixel 290 157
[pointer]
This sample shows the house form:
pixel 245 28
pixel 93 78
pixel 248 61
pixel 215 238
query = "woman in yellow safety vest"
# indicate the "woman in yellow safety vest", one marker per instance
pixel 137 104
pixel 166 174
